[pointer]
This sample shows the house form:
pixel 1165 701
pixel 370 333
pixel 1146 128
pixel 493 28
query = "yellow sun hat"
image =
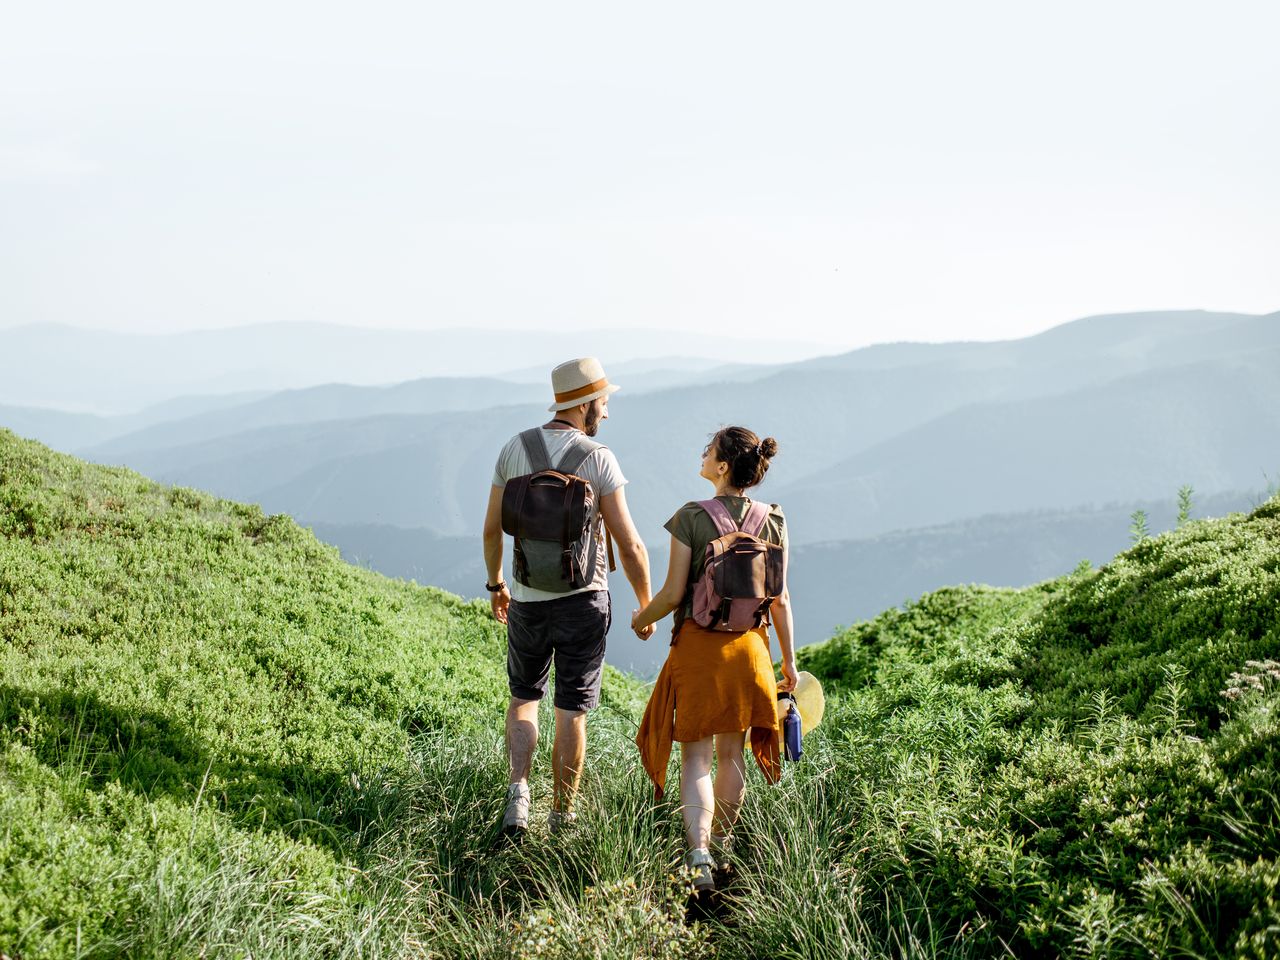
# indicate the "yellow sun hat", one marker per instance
pixel 809 701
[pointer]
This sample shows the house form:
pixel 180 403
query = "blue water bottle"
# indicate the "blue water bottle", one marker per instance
pixel 792 730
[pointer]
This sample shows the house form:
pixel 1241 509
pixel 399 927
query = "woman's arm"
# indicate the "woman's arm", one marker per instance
pixel 672 592
pixel 785 626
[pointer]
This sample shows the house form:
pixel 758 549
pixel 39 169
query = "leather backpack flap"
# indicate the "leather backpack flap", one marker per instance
pixel 744 570
pixel 540 506
pixel 555 506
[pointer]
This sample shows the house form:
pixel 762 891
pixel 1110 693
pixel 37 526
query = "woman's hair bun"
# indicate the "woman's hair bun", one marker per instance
pixel 747 455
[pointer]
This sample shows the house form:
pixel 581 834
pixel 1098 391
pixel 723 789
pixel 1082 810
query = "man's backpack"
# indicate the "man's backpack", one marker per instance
pixel 548 512
pixel 742 574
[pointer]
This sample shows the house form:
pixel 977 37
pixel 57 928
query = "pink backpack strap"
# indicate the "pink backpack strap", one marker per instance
pixel 754 521
pixel 720 516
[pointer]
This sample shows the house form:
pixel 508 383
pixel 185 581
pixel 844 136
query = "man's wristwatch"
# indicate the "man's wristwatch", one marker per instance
pixel 495 587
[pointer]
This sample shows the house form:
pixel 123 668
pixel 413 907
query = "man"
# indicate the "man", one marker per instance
pixel 568 626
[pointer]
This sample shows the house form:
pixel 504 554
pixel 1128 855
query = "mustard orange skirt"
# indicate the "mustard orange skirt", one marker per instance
pixel 712 682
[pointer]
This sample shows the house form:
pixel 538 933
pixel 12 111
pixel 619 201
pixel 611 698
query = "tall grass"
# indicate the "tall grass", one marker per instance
pixel 216 740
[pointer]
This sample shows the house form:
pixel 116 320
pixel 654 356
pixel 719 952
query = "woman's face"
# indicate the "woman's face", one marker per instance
pixel 713 468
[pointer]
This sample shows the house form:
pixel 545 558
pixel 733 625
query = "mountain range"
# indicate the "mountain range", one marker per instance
pixel 1016 459
pixel 109 373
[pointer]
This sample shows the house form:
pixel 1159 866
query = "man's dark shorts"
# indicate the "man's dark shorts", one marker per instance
pixel 569 629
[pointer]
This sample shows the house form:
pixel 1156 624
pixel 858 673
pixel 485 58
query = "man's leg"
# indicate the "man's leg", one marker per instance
pixel 567 756
pixel 522 738
pixel 579 630
pixel 528 665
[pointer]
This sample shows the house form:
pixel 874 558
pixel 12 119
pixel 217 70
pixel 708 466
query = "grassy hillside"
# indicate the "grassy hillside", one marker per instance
pixel 201 713
pixel 1090 767
pixel 217 740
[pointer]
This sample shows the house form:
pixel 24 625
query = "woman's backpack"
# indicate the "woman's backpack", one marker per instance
pixel 548 512
pixel 742 574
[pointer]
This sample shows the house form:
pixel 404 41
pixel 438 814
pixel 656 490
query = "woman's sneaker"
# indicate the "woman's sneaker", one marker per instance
pixel 559 821
pixel 515 821
pixel 722 854
pixel 700 864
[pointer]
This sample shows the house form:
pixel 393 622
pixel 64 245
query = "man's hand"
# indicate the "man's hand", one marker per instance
pixel 645 632
pixel 499 601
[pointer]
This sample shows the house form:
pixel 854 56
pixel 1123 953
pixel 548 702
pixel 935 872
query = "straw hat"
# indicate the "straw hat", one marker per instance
pixel 809 701
pixel 579 381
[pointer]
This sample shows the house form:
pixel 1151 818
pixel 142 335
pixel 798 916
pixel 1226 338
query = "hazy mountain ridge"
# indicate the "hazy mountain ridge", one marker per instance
pixel 839 582
pixel 872 431
pixel 341 402
pixel 1206 424
pixel 875 445
pixel 110 373
pixel 65 430
pixel 327 402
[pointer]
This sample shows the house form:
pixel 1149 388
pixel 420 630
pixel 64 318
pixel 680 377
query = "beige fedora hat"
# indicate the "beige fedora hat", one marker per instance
pixel 579 381
pixel 809 701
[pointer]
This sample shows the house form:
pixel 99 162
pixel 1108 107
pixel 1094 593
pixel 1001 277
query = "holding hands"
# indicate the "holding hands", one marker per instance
pixel 645 632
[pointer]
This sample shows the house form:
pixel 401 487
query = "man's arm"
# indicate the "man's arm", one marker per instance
pixel 493 554
pixel 631 551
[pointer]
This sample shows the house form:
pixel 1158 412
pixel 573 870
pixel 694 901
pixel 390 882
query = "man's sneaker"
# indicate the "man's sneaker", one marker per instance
pixel 699 862
pixel 559 821
pixel 515 821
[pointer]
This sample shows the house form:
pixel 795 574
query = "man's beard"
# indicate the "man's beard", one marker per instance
pixel 592 425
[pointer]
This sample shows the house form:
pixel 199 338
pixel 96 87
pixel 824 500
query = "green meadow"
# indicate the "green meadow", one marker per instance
pixel 219 740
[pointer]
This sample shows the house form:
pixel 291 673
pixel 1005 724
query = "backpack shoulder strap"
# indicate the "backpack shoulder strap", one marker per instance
pixel 536 448
pixel 577 451
pixel 753 522
pixel 719 516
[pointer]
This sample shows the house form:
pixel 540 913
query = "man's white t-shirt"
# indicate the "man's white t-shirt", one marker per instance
pixel 600 469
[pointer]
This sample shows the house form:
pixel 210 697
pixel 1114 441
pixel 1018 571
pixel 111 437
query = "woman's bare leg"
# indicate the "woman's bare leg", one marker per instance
pixel 697 798
pixel 731 780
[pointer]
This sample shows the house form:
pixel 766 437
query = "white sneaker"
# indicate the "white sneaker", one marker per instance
pixel 561 820
pixel 516 817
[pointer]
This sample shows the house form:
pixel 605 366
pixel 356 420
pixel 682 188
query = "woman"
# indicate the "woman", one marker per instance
pixel 715 685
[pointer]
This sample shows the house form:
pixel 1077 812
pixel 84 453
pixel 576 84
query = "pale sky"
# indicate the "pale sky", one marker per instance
pixel 839 172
